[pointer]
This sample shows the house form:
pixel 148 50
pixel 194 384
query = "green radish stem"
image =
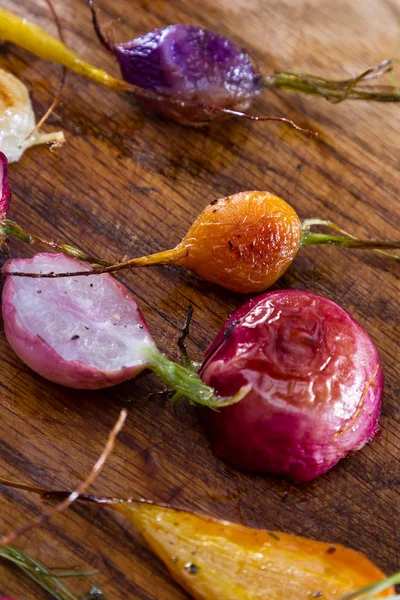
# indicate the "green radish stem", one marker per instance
pixel 347 240
pixel 10 229
pixel 48 578
pixel 186 382
pixel 335 91
pixel 312 239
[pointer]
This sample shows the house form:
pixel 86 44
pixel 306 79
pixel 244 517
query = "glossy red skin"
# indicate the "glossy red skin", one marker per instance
pixel 5 194
pixel 40 356
pixel 317 385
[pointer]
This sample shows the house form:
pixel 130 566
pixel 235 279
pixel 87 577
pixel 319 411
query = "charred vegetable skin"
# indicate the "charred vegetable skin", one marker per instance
pixel 316 385
pixel 243 242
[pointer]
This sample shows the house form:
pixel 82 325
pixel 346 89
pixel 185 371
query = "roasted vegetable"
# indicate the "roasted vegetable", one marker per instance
pixel 190 74
pixel 243 242
pixel 87 333
pixel 316 383
pixel 308 377
pixel 17 121
pixel 217 560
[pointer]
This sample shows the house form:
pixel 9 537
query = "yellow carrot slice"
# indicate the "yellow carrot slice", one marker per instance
pixel 218 560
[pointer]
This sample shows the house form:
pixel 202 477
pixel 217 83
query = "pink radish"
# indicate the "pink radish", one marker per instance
pixel 86 332
pixel 316 385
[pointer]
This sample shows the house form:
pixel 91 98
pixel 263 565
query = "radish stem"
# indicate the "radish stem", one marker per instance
pixel 310 239
pixel 186 382
pixel 350 241
pixel 335 91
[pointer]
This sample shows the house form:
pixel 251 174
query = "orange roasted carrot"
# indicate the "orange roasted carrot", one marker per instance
pixel 218 560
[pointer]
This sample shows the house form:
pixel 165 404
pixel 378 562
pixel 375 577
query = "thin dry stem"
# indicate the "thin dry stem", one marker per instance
pixel 57 97
pixel 236 113
pixel 82 487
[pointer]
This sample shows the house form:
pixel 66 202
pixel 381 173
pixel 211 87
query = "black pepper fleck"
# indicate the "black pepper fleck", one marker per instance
pixel 192 568
pixel 230 244
pixel 75 337
pixel 273 535
pixel 331 550
pixel 317 594
pixel 38 291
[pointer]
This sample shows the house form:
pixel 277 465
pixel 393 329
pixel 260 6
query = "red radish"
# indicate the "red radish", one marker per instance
pixel 86 332
pixel 316 385
pixel 5 193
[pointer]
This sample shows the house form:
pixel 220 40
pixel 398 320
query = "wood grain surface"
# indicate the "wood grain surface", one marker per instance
pixel 127 183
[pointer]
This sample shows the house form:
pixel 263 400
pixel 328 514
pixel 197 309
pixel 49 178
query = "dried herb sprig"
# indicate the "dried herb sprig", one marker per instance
pixel 48 578
pixel 51 579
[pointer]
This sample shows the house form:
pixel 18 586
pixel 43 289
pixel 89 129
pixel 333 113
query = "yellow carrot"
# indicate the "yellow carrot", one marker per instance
pixel 31 37
pixel 218 560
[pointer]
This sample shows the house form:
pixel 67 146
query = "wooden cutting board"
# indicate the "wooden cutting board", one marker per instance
pixel 125 183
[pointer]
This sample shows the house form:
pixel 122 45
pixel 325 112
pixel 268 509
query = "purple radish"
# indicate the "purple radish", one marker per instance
pixel 316 385
pixel 192 63
pixel 210 70
pixel 87 332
